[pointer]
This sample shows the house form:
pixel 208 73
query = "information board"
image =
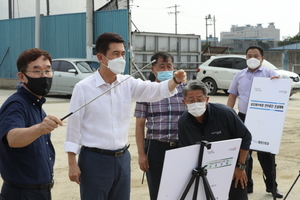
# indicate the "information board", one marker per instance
pixel 266 112
pixel 179 164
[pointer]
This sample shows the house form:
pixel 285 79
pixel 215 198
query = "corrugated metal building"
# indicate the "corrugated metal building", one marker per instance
pixel 186 49
pixel 60 35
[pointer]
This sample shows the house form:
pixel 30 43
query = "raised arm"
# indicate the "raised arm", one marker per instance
pixel 21 137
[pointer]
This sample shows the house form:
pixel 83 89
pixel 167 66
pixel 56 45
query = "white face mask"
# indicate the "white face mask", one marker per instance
pixel 253 63
pixel 196 109
pixel 116 65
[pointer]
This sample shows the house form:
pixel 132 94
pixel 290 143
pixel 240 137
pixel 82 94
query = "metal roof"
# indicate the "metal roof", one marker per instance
pixel 214 50
pixel 295 46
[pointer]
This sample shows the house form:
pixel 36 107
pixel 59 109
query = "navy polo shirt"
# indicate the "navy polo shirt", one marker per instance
pixel 32 164
pixel 220 123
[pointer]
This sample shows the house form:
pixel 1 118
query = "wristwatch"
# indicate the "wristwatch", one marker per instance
pixel 241 165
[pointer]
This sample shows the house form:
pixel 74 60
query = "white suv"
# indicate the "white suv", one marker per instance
pixel 218 72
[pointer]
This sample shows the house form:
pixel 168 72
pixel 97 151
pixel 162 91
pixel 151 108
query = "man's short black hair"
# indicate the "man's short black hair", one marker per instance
pixel 104 40
pixel 30 55
pixel 161 54
pixel 256 47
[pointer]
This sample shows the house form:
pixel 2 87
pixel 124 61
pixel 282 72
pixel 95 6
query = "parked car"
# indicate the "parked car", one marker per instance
pixel 69 71
pixel 218 72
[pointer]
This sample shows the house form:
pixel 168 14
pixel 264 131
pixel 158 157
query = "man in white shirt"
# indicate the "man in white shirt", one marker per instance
pixel 99 131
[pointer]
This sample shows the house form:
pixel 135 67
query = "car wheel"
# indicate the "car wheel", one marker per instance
pixel 211 85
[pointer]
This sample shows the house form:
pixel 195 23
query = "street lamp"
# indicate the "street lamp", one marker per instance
pixel 206 18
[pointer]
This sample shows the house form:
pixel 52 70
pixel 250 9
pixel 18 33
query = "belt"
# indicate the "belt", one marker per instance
pixel 47 186
pixel 171 144
pixel 116 153
pixel 239 113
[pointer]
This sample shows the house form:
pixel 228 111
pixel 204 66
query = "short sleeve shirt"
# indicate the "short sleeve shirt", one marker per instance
pixel 162 117
pixel 241 85
pixel 32 164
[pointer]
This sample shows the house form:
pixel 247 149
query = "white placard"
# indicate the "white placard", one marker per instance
pixel 180 163
pixel 266 112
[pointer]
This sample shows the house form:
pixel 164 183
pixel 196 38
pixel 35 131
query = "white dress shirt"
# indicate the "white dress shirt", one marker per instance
pixel 104 123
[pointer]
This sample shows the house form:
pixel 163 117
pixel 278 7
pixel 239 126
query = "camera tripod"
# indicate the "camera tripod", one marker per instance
pixel 197 173
pixel 292 186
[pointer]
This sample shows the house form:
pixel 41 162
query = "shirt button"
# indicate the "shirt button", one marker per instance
pixel 50 159
pixel 46 142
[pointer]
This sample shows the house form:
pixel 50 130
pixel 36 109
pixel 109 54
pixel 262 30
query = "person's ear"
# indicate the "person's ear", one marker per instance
pixel 207 98
pixel 183 101
pixel 22 77
pixel 99 56
pixel 152 69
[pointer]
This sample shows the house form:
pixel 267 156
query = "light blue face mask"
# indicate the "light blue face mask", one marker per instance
pixel 164 75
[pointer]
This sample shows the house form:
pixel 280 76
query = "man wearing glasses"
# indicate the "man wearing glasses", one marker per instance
pixel 214 122
pixel 26 151
pixel 160 118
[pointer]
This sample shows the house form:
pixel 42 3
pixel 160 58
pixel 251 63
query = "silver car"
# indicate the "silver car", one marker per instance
pixel 69 71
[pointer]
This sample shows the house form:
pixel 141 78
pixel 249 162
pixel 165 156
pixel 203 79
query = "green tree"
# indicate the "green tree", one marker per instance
pixel 290 40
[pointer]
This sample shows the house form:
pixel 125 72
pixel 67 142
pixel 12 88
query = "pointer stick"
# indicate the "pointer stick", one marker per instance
pixel 107 91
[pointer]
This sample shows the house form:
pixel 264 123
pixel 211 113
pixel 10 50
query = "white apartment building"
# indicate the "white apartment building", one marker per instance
pixel 250 34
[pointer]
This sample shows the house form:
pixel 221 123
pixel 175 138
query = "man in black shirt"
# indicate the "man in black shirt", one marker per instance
pixel 214 122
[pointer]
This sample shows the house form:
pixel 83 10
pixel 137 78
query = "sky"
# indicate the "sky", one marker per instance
pixel 159 15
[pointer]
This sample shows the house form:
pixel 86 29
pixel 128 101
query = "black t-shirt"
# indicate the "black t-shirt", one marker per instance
pixel 220 123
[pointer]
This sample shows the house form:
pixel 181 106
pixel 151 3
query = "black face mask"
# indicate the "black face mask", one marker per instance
pixel 39 86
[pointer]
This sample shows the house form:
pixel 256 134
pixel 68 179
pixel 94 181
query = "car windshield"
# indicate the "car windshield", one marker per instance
pixel 94 65
pixel 85 67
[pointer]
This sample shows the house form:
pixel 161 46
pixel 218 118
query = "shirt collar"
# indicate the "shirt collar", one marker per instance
pixel 259 69
pixel 34 99
pixel 99 80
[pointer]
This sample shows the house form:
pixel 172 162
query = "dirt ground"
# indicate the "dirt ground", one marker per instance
pixel 287 160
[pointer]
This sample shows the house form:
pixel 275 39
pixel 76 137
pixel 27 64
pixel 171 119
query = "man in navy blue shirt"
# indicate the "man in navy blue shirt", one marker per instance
pixel 214 122
pixel 26 151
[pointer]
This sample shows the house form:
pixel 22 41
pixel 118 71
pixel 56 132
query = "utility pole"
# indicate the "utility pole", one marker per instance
pixel 214 20
pixel 37 23
pixel 48 9
pixel 89 28
pixel 175 15
pixel 10 9
pixel 206 24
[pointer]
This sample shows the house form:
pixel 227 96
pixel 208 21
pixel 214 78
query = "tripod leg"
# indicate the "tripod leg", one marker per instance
pixel 188 186
pixel 196 188
pixel 292 186
pixel 208 192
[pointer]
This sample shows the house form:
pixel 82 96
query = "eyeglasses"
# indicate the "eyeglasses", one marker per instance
pixel 39 73
pixel 193 101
